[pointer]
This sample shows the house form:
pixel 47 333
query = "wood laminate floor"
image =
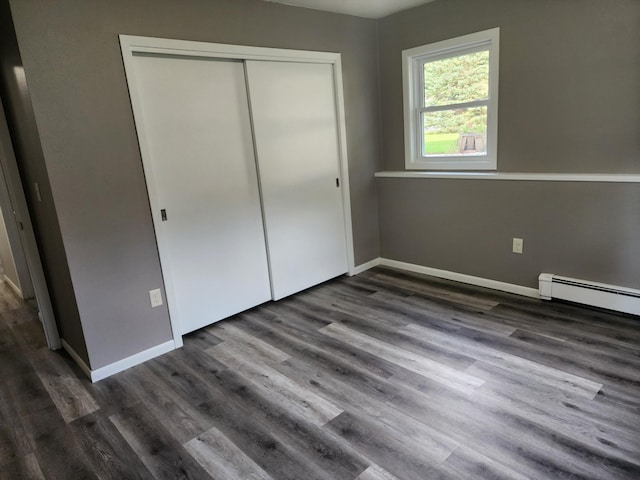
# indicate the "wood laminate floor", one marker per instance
pixel 382 376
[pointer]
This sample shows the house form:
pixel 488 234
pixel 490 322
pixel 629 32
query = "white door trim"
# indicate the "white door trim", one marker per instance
pixel 131 45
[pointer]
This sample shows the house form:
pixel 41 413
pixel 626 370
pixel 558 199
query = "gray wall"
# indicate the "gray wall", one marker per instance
pixel 582 230
pixel 569 102
pixel 72 60
pixel 25 141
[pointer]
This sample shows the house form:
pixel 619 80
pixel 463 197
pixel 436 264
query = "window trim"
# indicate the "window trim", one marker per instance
pixel 413 92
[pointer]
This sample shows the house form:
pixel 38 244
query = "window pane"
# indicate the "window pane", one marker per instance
pixel 455 132
pixel 460 79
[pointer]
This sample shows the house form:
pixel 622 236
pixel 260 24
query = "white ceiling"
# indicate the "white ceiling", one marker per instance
pixel 360 8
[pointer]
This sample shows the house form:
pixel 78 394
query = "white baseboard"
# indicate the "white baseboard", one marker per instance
pixel 69 349
pixel 366 266
pixel 13 286
pixel 462 278
pixel 121 365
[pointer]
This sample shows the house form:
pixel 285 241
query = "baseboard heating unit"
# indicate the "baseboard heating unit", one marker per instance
pixel 601 295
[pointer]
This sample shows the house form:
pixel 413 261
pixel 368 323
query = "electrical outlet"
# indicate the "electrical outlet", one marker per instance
pixel 517 245
pixel 156 297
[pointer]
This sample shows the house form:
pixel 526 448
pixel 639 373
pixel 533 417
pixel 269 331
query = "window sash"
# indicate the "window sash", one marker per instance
pixel 420 62
pixel 459 51
pixel 455 106
pixel 421 133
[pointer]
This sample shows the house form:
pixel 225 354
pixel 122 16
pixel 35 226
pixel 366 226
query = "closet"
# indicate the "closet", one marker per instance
pixel 243 158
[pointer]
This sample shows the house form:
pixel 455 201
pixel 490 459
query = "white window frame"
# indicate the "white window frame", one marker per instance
pixel 413 86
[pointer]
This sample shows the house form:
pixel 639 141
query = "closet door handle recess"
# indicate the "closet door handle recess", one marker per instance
pixel 163 215
pixel 338 182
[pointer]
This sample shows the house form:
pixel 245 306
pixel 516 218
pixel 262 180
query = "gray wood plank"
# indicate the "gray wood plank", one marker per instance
pixel 200 340
pixel 180 418
pixel 288 335
pixel 66 391
pixel 418 285
pixel 14 443
pixel 307 315
pixel 9 301
pixel 492 356
pixel 515 441
pixel 446 316
pixel 60 455
pixel 112 394
pixel 30 335
pixel 601 411
pixel 106 450
pixel 561 325
pixel 285 446
pixel 276 387
pixel 21 381
pixel 373 397
pixel 159 452
pixel 221 458
pixel 42 423
pixel 603 441
pixel 374 472
pixel 395 454
pixel 362 308
pixel 410 343
pixel 259 350
pixel 432 312
pixel 448 376
pixel 622 395
pixel 467 464
pixel 578 359
pixel 22 468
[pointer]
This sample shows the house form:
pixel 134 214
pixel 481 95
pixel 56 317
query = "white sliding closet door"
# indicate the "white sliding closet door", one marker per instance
pixel 293 108
pixel 195 134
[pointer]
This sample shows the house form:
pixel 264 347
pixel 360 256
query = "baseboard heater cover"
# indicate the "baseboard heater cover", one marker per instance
pixel 601 295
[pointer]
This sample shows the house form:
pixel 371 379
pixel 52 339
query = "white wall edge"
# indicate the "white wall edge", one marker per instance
pixel 13 286
pixel 120 365
pixel 531 177
pixel 462 278
pixel 69 349
pixel 366 266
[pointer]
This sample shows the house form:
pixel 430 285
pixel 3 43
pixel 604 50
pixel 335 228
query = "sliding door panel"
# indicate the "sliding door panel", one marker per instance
pixel 293 109
pixel 195 135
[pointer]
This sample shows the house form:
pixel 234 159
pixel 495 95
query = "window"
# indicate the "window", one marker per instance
pixel 451 103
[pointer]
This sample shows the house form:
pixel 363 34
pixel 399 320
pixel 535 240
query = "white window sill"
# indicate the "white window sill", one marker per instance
pixel 535 177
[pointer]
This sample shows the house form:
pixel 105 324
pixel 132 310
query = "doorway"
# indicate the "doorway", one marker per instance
pixel 21 238
pixel 13 264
